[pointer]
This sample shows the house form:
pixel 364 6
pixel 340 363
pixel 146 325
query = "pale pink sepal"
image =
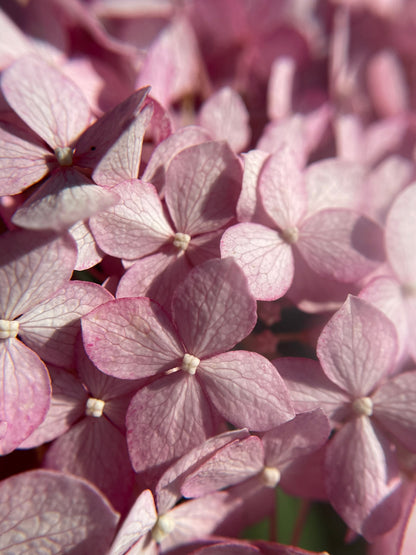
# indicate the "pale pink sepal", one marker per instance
pixel 361 475
pixel 357 348
pixel 213 308
pixel 22 160
pixel 104 132
pixel 134 227
pixel 400 231
pixel 140 520
pixel 155 276
pixel 166 419
pixel 172 65
pixel 122 160
pixel 89 253
pixel 226 118
pixel 282 188
pixel 228 466
pixel 246 390
pixel 64 410
pixel 395 408
pixel 168 489
pixel 50 328
pixel 304 434
pixel 50 103
pixel 199 517
pixel 94 449
pixel 334 183
pixel 26 393
pixel 386 294
pixel 13 42
pixel 35 265
pixel 387 85
pixel 310 389
pixel 131 338
pixel 42 510
pixel 279 93
pixel 265 258
pixel 64 199
pixel 203 183
pixel 249 206
pixel 341 244
pixel 163 154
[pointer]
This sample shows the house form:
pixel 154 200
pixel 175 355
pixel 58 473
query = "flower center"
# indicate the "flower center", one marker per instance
pixel 181 241
pixel 190 363
pixel 270 476
pixel 8 329
pixel 363 406
pixel 163 527
pixel 64 155
pixel 290 235
pixel 94 407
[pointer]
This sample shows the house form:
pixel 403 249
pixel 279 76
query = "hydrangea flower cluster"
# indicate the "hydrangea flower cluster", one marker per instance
pixel 207 272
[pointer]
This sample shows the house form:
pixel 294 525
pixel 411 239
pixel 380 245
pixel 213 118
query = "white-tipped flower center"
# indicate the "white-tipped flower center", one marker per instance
pixel 163 527
pixel 8 329
pixel 363 406
pixel 270 476
pixel 290 235
pixel 190 363
pixel 181 241
pixel 64 155
pixel 94 407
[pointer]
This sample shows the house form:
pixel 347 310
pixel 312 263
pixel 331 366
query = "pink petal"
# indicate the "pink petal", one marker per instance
pixel 131 338
pixel 140 520
pixel 104 132
pixel 298 437
pixel 225 116
pixel 234 463
pixel 67 406
pixel 165 420
pixel 203 183
pixel 134 227
pixel 357 347
pixel 156 276
pixel 95 449
pixel 22 160
pixel 246 390
pixel 26 392
pixel 279 94
pixel 310 389
pixel 121 161
pixel 172 65
pixel 43 510
pixel 386 294
pixel 361 474
pixel 163 154
pixel 249 207
pixel 395 408
pixel 64 199
pixel 400 230
pixel 341 244
pixel 50 329
pixel 286 133
pixel 265 258
pixel 168 488
pixel 213 308
pixel 50 103
pixel 282 189
pixel 334 183
pixel 387 84
pixel 89 253
pixel 35 265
